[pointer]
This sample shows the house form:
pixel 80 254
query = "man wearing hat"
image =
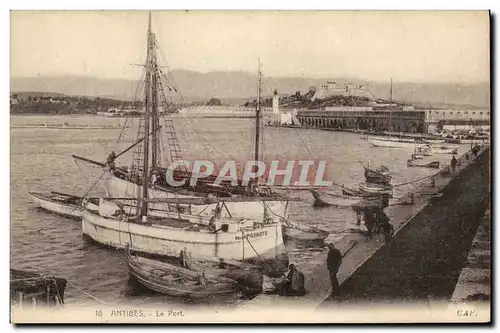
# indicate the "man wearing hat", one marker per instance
pixel 333 261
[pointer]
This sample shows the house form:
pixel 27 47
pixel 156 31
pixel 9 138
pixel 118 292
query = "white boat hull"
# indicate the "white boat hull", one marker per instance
pixel 450 150
pixel 434 141
pixel 119 188
pixel 170 241
pixel 392 143
pixel 68 210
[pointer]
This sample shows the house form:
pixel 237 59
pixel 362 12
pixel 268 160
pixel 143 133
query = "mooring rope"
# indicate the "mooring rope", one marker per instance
pixel 86 293
pixel 414 181
pixel 258 255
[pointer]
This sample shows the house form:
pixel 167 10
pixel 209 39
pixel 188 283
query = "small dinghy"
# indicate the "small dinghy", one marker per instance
pixel 414 163
pixel 379 175
pixel 299 231
pixel 336 200
pixel 181 282
pixel 445 150
pixel 434 141
pixel 379 189
pixel 59 203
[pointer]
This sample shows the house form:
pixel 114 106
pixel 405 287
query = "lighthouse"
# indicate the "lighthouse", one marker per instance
pixel 276 102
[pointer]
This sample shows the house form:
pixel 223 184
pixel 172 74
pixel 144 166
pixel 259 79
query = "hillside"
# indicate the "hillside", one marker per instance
pixel 241 86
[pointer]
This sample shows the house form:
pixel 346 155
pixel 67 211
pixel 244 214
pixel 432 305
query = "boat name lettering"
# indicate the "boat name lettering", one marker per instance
pixel 252 235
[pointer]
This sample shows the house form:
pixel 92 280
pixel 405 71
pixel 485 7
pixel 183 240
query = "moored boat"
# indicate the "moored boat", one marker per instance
pixel 335 200
pixel 181 282
pixel 379 189
pixel 392 142
pixel 445 149
pixel 227 238
pixel 300 231
pixel 413 163
pixel 434 141
pixel 127 181
pixel 379 175
pixel 62 204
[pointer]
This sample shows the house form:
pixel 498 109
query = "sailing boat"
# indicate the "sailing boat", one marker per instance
pixel 392 141
pixel 227 236
pixel 126 182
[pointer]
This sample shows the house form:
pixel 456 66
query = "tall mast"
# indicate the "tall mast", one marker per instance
pixel 257 113
pixel 390 108
pixel 147 93
pixel 154 104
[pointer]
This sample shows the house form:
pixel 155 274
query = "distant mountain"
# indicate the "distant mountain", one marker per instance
pixel 241 86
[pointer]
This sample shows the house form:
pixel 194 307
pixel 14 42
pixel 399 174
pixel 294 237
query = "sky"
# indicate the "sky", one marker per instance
pixel 446 46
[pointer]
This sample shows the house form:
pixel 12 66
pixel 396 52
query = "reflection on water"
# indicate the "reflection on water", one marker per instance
pixel 40 161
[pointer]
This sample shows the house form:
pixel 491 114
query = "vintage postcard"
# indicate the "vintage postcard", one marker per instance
pixel 250 167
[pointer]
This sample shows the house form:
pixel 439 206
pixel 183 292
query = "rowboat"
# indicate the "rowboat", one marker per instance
pixel 181 282
pixel 445 150
pixel 336 200
pixel 378 175
pixel 413 163
pixel 392 142
pixel 65 205
pixel 434 141
pixel 300 231
pixel 376 189
pixel 247 275
pixel 422 151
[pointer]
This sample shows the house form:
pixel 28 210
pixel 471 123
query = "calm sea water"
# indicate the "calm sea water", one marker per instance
pixel 41 161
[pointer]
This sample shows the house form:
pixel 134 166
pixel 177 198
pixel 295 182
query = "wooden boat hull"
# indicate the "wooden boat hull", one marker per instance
pixel 377 176
pixel 47 203
pixel 434 164
pixel 392 142
pixel 160 239
pixel 149 274
pixel 375 189
pixel 299 231
pixel 447 150
pixel 339 201
pixel 434 141
pixel 378 179
pixel 117 187
pixel 247 275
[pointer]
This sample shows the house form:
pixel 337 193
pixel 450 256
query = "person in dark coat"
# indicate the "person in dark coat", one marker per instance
pixel 333 262
pixel 453 163
pixel 388 231
pixel 370 222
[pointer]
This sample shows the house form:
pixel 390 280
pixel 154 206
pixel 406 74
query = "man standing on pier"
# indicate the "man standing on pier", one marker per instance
pixel 333 261
pixel 453 163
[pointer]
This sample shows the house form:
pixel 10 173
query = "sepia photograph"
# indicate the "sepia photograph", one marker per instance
pixel 250 166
